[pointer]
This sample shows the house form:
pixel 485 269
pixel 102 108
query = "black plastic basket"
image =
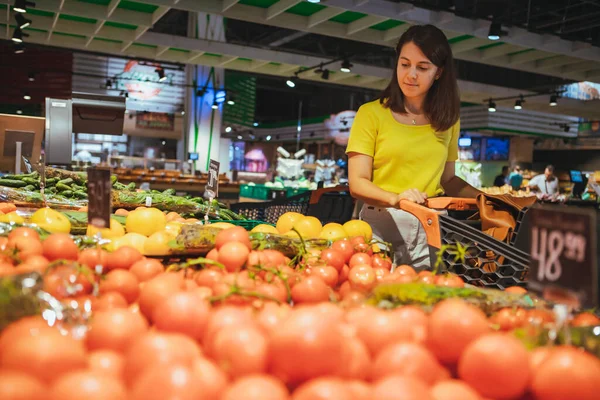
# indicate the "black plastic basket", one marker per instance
pixel 270 211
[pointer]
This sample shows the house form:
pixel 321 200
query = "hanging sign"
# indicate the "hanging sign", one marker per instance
pixel 212 186
pixel 99 196
pixel 339 126
pixel 153 120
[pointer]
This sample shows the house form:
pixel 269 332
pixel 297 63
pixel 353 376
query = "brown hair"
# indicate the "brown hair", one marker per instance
pixel 442 103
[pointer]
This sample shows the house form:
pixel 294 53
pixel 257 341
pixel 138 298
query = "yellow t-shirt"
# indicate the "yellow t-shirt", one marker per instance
pixel 404 156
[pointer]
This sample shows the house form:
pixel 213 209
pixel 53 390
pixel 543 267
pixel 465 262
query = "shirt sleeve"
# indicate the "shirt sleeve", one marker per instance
pixel 363 133
pixel 453 145
pixel 535 181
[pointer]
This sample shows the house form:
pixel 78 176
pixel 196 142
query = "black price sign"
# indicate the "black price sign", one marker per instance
pixel 212 186
pixel 563 255
pixel 99 197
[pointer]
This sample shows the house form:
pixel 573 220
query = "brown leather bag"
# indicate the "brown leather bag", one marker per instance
pixel 499 213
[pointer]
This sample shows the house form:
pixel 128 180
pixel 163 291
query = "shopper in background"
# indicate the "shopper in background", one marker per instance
pixel 403 146
pixel 501 179
pixel 515 179
pixel 546 183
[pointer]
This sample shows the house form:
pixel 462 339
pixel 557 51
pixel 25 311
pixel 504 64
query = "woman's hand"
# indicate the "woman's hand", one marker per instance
pixel 413 195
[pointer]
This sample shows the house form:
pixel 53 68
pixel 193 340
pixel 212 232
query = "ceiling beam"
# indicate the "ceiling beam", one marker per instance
pixel 280 7
pixel 324 15
pixel 227 4
pixel 362 24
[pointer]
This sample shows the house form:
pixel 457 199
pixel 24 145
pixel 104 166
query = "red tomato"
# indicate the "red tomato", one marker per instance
pixel 116 329
pixel 176 381
pixel 24 232
pixel 24 246
pixel 272 290
pixel 405 270
pixel 65 281
pixel 324 389
pixel 311 289
pixel 93 257
pixel 540 316
pixel 328 274
pixel 256 387
pixel 382 261
pixel 60 246
pixel 509 318
pixel 497 366
pixel 213 379
pixel 23 327
pixel 108 301
pixel 233 255
pixel 241 350
pixel 235 234
pixel 516 289
pixel 344 247
pixel 213 255
pixel 585 319
pixel 360 390
pixel 362 277
pixel 108 362
pixel 123 258
pixel 3 242
pixel 426 277
pixel 223 317
pixel 182 312
pixel 89 385
pixel 19 386
pixel 356 360
pixel 360 259
pixel 397 387
pixel 343 276
pixel 33 263
pixel 122 281
pixel 453 390
pixel 407 359
pixel 271 315
pixel 357 240
pixel 449 280
pixel 156 290
pixel 209 277
pixel 333 258
pixel 146 269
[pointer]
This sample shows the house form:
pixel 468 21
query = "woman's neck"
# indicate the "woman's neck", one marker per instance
pixel 414 105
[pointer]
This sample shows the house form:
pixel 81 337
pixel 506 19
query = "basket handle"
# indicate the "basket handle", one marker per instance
pixel 451 203
pixel 317 194
pixel 428 219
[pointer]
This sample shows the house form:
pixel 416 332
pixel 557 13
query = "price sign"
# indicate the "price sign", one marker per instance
pixel 212 186
pixel 563 255
pixel 99 197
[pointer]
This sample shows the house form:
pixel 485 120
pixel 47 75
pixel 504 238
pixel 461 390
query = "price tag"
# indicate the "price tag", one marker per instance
pixel 564 265
pixel 148 201
pixel 99 197
pixel 212 186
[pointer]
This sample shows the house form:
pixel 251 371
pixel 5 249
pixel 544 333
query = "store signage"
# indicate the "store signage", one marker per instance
pixel 153 120
pixel 99 196
pixel 212 186
pixel 339 126
pixel 581 91
pixel 564 265
pixel 141 80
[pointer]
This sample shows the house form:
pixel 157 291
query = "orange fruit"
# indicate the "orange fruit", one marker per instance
pixel 287 221
pixel 333 231
pixel 357 227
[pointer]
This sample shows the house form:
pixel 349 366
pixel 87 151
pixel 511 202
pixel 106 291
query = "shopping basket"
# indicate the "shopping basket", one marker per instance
pixel 458 245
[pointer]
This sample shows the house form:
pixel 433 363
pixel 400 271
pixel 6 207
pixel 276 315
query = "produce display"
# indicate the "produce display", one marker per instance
pixel 322 317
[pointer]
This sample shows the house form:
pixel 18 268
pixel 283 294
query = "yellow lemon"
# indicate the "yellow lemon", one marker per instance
pixel 357 227
pixel 145 221
pixel 221 225
pixel 264 228
pixel 12 217
pixel 135 240
pixel 333 232
pixel 173 228
pixel 291 234
pixel 116 230
pixel 158 244
pixel 308 227
pixel 286 222
pixel 51 220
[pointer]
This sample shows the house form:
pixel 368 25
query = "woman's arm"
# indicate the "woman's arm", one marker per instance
pixel 454 186
pixel 360 173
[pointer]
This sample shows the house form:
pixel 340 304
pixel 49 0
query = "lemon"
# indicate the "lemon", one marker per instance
pixel 221 225
pixel 264 228
pixel 357 227
pixel 51 220
pixel 286 222
pixel 116 230
pixel 12 217
pixel 173 228
pixel 157 244
pixel 146 221
pixel 291 234
pixel 134 240
pixel 333 231
pixel 308 227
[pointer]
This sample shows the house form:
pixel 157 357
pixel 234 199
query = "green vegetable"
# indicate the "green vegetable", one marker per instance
pixel 16 183
pixel 67 193
pixel 62 187
pixel 51 181
pixel 33 175
pixel 170 192
pixel 32 181
pixel 66 181
pixel 29 188
pixel 80 194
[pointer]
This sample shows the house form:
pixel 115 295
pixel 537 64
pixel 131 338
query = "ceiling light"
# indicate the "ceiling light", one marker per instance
pixel 31 77
pixel 255 123
pixel 268 137
pixel 22 22
pixel 291 82
pixel 346 66
pixel 553 100
pixel 519 103
pixel 215 106
pixel 108 84
pixel 228 129
pixel 21 5
pixel 239 137
pixel 27 96
pixel 19 112
pixel 495 31
pixel 183 112
pixel 161 74
pixel 19 48
pixel 164 142
pixel 491 106
pixel 18 36
pixel 325 74
pixel 314 1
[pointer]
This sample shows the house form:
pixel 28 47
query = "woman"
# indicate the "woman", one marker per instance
pixel 404 145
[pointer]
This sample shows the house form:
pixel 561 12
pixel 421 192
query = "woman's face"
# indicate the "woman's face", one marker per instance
pixel 416 73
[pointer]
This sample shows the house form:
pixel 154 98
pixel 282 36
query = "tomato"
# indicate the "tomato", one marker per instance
pixel 235 234
pixel 497 366
pixel 380 274
pixel 19 386
pixel 540 316
pixel 344 247
pixel 213 255
pixel 23 327
pixel 209 277
pixel 108 301
pixel 88 385
pixel 158 349
pixel 115 329
pixel 426 277
pixel 362 277
pixel 123 282
pixel 3 242
pixel 24 246
pixel 233 255
pixel 93 257
pixel 65 281
pixel 453 390
pixel 356 360
pixel 241 351
pixel 364 248
pixel 408 359
pixel 213 379
pixel 123 258
pixel 274 258
pixel 156 290
pixel 333 258
pixel 7 269
pixel 449 280
pixel 382 261
pixel 33 263
pixel 108 362
pixel 405 270
pixel 271 315
pixel 328 274
pixel 256 387
pixel 176 381
pixel 516 289
pixel 60 246
pixel 343 275
pixel 397 387
pixel 323 389
pixel 146 269
pixel 567 373
pixel 311 289
pixel 509 318
pixel 357 240
pixel 272 290
pixel 360 259
pixel 44 354
pixel 585 319
pixel 360 390
pixel 538 356
pixel 24 232
pixel 221 318
pixel 182 312
pixel 454 321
